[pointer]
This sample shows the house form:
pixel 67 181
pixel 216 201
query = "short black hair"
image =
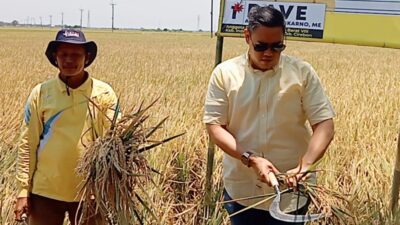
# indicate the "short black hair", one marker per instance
pixel 265 16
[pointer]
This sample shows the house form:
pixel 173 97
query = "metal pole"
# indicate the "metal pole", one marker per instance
pixel 396 180
pixel 211 145
pixel 218 54
pixel 212 16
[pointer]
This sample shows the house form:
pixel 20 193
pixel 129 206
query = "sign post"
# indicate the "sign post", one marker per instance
pixel 208 200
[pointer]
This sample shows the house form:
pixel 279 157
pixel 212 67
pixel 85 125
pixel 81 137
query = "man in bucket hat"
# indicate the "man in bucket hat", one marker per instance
pixel 60 120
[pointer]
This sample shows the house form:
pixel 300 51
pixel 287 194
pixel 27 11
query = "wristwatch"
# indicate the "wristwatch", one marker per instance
pixel 245 158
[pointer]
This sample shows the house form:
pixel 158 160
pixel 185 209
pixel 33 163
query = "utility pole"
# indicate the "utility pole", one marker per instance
pixel 198 22
pixel 62 19
pixel 112 16
pixel 212 16
pixel 81 17
pixel 88 19
pixel 41 22
pixel 51 20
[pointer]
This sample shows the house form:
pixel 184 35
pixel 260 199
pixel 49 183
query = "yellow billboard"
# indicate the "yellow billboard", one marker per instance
pixel 360 22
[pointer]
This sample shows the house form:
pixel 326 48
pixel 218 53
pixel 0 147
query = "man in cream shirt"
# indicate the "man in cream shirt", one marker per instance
pixel 256 110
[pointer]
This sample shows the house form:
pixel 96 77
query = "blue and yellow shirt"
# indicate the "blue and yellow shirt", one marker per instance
pixel 56 128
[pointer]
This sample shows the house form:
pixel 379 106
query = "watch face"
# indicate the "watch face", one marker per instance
pixel 245 158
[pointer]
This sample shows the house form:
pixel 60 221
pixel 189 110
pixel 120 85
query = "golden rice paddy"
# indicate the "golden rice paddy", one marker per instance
pixel 363 84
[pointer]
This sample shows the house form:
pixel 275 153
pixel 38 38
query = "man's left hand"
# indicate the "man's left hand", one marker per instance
pixel 297 174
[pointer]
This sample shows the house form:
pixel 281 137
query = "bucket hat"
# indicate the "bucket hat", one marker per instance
pixel 71 36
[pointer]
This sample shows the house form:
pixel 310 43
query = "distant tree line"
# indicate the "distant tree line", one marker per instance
pixel 13 23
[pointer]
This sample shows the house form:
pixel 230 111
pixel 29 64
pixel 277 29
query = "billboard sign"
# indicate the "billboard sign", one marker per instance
pixel 303 20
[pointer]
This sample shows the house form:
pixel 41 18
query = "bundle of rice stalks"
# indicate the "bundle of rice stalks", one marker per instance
pixel 332 204
pixel 115 172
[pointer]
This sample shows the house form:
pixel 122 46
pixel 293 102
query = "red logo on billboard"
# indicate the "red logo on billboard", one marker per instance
pixel 237 8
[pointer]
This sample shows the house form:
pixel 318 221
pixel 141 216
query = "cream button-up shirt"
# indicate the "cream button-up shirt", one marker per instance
pixel 267 113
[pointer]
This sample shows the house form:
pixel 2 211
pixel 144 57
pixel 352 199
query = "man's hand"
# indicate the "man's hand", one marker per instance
pixel 321 138
pixel 263 167
pixel 297 174
pixel 21 209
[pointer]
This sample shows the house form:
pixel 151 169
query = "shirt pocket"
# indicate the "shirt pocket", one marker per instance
pixel 286 108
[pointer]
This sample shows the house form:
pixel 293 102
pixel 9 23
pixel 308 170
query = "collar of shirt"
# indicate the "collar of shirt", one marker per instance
pixel 82 88
pixel 274 70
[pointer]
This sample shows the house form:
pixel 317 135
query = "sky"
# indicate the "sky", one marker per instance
pixel 171 14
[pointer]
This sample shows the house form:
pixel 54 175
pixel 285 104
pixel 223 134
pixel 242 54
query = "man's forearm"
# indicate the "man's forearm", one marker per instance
pixel 224 140
pixel 322 136
pixel 227 142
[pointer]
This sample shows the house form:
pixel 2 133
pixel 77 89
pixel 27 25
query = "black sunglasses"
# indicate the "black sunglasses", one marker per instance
pixel 276 47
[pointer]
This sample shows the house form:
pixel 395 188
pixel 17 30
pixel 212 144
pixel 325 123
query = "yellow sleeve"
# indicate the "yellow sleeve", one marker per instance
pixel 32 127
pixel 216 102
pixel 315 101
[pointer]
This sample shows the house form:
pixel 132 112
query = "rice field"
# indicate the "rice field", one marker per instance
pixel 363 84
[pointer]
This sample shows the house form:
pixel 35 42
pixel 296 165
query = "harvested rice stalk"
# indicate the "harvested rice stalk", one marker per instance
pixel 115 172
pixel 331 203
